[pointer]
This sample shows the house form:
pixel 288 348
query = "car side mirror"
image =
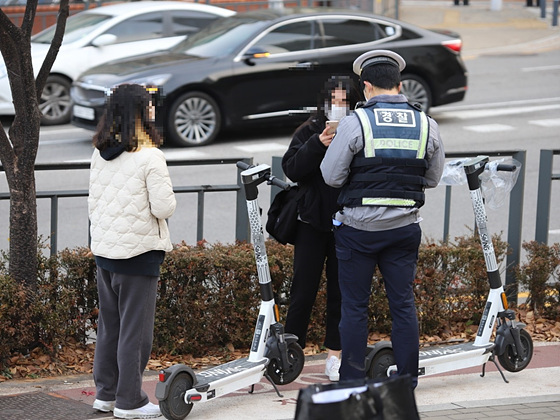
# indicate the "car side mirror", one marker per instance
pixel 105 39
pixel 254 53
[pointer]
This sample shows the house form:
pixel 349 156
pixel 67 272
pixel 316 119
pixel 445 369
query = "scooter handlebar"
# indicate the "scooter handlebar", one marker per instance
pixel 506 167
pixel 270 179
pixel 279 183
pixel 242 165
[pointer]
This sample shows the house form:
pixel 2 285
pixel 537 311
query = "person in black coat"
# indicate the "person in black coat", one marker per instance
pixel 314 247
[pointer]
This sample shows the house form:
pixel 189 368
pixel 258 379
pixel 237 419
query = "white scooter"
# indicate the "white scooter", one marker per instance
pixel 513 345
pixel 274 354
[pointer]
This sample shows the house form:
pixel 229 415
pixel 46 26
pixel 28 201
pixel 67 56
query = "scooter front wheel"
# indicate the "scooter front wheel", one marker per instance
pixel 174 406
pixel 296 359
pixel 381 363
pixel 516 363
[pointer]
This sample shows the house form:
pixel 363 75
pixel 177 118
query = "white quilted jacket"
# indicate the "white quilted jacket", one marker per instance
pixel 129 199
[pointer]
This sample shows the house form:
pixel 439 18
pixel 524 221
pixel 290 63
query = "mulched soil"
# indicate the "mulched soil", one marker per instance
pixel 77 358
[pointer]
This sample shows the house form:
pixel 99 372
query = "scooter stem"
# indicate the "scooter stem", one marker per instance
pixel 473 168
pixel 252 177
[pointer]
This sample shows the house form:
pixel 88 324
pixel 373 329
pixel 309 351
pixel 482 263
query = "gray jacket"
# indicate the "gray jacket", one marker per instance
pixel 335 168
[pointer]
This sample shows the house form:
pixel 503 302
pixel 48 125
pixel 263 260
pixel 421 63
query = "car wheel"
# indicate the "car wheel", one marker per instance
pixel 194 120
pixel 417 91
pixel 55 103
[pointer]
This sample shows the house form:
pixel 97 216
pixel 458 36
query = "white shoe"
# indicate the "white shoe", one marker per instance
pixel 149 411
pixel 104 406
pixel 331 368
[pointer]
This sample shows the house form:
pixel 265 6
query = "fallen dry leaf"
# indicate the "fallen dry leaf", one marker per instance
pixel 76 358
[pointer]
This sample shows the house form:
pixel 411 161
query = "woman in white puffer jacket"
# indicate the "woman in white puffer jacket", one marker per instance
pixel 130 196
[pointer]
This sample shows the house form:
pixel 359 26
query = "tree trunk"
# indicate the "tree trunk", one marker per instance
pixel 23 201
pixel 19 151
pixel 23 233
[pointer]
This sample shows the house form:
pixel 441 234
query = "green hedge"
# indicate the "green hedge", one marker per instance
pixel 209 295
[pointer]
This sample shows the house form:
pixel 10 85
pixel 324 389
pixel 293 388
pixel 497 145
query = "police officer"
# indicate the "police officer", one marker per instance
pixel 383 156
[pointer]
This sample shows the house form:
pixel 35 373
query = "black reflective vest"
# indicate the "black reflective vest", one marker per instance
pixel 389 171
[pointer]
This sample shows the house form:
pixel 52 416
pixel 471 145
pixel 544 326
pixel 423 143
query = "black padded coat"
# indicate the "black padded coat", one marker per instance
pixel 301 163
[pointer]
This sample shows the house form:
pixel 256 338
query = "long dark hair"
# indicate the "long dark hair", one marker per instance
pixel 127 105
pixel 332 83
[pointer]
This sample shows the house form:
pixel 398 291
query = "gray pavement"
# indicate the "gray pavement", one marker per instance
pixel 533 393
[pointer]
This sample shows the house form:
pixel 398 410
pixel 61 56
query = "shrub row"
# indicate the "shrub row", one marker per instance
pixel 209 295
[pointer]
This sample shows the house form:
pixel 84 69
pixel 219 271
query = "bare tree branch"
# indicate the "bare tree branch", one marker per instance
pixel 5 22
pixel 6 152
pixel 29 18
pixel 8 49
pixel 56 42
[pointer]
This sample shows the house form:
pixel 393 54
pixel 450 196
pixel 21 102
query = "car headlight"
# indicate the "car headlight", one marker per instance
pixel 155 80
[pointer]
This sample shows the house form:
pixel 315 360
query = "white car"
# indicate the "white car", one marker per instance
pixel 102 34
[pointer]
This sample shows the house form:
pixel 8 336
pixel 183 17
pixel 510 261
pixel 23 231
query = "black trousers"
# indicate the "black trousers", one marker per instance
pixel 314 251
pixel 359 252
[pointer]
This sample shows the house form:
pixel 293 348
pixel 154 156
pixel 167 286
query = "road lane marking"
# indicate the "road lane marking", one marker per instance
pixel 541 68
pixel 552 122
pixel 524 102
pixel 463 112
pixel 78 161
pixel 261 147
pixel 489 128
pixel 66 141
pixel 487 113
pixel 66 130
pixel 184 154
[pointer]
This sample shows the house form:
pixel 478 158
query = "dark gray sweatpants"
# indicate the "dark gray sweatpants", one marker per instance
pixel 124 337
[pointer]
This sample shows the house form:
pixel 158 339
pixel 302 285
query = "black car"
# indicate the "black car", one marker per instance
pixel 269 66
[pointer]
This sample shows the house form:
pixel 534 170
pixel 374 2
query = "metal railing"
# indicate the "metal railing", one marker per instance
pixel 241 218
pixel 543 194
pixel 515 208
pixel 242 232
pixel 542 4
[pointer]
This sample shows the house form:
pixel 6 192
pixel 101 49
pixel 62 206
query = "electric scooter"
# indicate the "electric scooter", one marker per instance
pixel 274 354
pixel 512 346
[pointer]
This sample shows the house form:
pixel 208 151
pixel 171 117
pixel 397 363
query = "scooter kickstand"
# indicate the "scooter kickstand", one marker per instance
pixel 498 367
pixel 267 376
pixel 493 359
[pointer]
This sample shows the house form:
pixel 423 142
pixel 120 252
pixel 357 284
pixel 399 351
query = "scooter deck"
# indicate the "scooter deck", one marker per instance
pixel 442 358
pixel 226 378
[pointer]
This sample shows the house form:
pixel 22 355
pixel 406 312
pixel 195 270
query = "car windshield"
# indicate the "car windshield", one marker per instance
pixel 220 38
pixel 76 27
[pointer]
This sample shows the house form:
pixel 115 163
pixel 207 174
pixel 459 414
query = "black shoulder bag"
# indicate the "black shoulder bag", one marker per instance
pixel 283 215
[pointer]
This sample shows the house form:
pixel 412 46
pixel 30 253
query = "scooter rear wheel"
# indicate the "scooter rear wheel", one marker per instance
pixel 381 363
pixel 174 406
pixel 513 363
pixel 296 359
